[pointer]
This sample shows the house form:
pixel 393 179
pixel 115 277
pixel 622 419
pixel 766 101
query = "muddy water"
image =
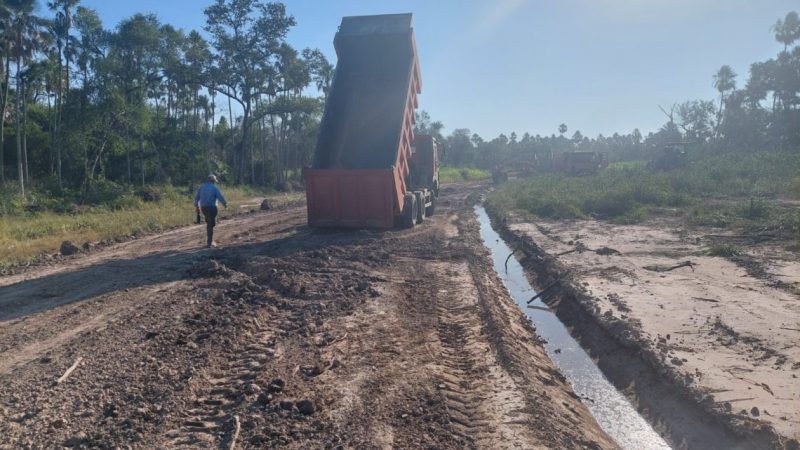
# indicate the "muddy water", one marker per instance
pixel 611 409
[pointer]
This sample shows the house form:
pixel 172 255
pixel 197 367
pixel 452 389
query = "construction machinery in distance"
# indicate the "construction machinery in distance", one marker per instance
pixel 672 156
pixel 580 162
pixel 369 170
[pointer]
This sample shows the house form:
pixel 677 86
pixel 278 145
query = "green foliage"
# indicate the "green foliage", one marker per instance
pixel 754 209
pixel 624 193
pixel 456 174
pixel 629 165
pixel 724 251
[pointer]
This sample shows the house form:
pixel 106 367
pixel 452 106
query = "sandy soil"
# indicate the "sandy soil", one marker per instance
pixel 286 336
pixel 729 328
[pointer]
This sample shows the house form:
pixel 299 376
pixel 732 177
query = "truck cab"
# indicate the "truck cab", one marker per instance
pixel 425 164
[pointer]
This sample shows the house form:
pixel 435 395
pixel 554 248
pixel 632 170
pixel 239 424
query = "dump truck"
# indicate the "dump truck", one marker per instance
pixel 368 169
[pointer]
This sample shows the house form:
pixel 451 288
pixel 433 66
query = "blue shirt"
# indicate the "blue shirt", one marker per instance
pixel 207 196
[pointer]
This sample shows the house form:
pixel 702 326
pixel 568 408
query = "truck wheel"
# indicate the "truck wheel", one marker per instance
pixel 410 211
pixel 431 209
pixel 420 206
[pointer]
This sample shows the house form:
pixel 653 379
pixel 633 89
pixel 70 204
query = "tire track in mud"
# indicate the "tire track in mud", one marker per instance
pixel 209 421
pixel 399 339
pixel 483 401
pixel 458 389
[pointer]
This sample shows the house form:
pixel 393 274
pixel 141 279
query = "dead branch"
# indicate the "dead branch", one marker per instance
pixel 579 247
pixel 237 428
pixel 543 291
pixel 702 299
pixel 669 268
pixel 737 400
pixel 540 308
pixel 69 371
pixel 509 257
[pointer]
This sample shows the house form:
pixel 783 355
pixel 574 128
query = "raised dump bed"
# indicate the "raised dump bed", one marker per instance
pixel 360 175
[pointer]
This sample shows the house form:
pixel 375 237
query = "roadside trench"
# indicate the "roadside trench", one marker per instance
pixel 635 403
pixel 615 414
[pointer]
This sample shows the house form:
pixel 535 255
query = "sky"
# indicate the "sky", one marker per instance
pixel 497 66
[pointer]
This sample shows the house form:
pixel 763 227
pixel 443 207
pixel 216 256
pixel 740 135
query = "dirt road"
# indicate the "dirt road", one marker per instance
pixel 285 336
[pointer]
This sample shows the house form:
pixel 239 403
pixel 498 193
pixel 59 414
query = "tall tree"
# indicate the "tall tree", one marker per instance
pixel 247 35
pixel 787 30
pixel 26 31
pixel 7 38
pixel 61 27
pixel 321 70
pixel 724 81
pixel 137 45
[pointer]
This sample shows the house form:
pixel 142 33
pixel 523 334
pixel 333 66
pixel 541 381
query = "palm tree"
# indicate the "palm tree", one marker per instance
pixel 60 29
pixel 562 129
pixel 26 34
pixel 5 42
pixel 724 81
pixel 787 30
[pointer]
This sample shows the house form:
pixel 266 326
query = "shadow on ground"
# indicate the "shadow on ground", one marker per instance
pixel 40 294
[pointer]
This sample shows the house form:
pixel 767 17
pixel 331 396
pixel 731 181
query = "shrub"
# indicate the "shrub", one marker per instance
pixel 724 251
pixel 456 174
pixel 625 191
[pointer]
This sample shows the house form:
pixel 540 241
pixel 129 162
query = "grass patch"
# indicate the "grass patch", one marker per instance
pixel 724 251
pixel 24 236
pixel 628 165
pixel 456 174
pixel 628 192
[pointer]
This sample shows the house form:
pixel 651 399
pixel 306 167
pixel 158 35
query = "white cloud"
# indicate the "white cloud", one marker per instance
pixel 495 13
pixel 655 11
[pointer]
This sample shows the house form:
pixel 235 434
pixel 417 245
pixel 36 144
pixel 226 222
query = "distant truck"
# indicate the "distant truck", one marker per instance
pixel 580 162
pixel 368 170
pixel 671 156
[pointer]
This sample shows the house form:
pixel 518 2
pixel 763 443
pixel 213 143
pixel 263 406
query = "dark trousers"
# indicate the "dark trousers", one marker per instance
pixel 210 213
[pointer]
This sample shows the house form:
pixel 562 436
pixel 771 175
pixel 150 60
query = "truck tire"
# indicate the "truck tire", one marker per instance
pixel 410 211
pixel 431 209
pixel 420 206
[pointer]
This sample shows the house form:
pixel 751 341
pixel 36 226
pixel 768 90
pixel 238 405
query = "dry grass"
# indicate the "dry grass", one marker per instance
pixel 26 236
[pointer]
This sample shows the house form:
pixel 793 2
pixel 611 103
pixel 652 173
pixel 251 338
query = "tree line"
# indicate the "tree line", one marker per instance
pixel 761 114
pixel 85 106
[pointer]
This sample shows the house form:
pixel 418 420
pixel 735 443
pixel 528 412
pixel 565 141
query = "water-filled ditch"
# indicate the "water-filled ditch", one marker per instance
pixel 615 414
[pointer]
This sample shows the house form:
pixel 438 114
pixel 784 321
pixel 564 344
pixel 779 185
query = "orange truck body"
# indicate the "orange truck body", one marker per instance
pixel 360 173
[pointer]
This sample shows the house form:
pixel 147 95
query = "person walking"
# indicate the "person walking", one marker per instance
pixel 205 201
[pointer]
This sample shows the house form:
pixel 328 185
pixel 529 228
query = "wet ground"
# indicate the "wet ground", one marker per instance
pixel 613 411
pixel 720 333
pixel 286 336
